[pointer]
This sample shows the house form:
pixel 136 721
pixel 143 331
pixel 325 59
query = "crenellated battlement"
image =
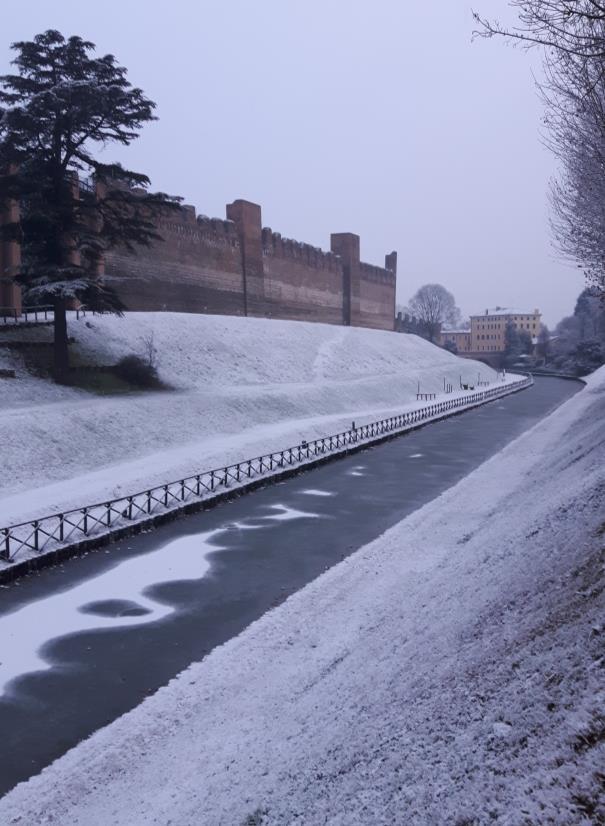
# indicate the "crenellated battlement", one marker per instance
pixel 234 266
pixel 276 245
pixel 199 229
pixel 406 323
pixel 379 275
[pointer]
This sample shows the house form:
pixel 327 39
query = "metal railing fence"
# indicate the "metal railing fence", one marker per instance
pixel 10 315
pixel 31 315
pixel 61 529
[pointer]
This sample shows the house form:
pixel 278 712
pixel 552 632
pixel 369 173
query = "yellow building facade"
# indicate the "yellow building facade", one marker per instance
pixel 488 331
pixel 461 339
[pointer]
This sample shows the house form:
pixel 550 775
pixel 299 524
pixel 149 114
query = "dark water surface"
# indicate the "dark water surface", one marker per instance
pixel 112 627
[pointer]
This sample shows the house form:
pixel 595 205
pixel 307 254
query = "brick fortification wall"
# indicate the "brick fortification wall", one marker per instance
pixel 377 289
pixel 301 281
pixel 197 268
pixel 236 267
pixel 405 323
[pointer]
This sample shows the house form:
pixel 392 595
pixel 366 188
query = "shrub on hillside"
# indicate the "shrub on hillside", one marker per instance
pixel 137 371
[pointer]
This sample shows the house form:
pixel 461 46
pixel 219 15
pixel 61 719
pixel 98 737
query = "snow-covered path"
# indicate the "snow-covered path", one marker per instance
pixel 449 673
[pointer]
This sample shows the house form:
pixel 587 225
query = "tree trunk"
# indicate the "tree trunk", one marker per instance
pixel 61 353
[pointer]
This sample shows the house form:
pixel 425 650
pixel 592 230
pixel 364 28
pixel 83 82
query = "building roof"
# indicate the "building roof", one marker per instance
pixel 505 311
pixel 449 332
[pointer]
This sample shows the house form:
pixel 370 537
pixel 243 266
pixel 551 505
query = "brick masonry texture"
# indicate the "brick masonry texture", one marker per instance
pixel 236 267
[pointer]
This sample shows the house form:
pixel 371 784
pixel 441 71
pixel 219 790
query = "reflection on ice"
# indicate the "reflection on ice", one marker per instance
pixel 312 492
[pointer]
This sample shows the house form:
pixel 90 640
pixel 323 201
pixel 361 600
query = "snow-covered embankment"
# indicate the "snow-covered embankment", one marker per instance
pixel 243 386
pixel 451 672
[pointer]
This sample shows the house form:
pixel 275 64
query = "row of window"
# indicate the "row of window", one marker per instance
pixel 519 326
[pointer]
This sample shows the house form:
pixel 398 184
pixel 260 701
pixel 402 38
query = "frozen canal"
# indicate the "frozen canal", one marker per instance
pixel 82 643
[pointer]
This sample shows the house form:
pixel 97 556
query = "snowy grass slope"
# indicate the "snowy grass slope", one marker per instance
pixel 451 672
pixel 243 386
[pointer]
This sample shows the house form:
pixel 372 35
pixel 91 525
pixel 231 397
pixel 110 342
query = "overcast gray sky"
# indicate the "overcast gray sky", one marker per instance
pixel 380 118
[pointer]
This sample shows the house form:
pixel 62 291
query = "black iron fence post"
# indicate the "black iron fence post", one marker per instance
pixel 27 535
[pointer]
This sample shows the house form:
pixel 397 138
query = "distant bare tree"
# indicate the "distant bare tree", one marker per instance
pixel 436 307
pixel 572 34
pixel 573 27
pixel 543 345
pixel 578 345
pixel 566 336
pixel 590 313
pixel 574 94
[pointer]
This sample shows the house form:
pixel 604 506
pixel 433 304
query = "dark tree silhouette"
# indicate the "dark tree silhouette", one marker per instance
pixel 63 104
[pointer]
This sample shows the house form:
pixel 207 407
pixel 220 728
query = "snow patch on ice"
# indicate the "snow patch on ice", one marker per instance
pixel 242 526
pixel 26 632
pixel 285 514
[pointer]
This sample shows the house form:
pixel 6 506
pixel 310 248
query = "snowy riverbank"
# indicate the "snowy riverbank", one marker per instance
pixel 451 672
pixel 243 386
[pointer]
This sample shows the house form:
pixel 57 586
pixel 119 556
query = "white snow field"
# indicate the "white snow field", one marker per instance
pixel 243 386
pixel 451 672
